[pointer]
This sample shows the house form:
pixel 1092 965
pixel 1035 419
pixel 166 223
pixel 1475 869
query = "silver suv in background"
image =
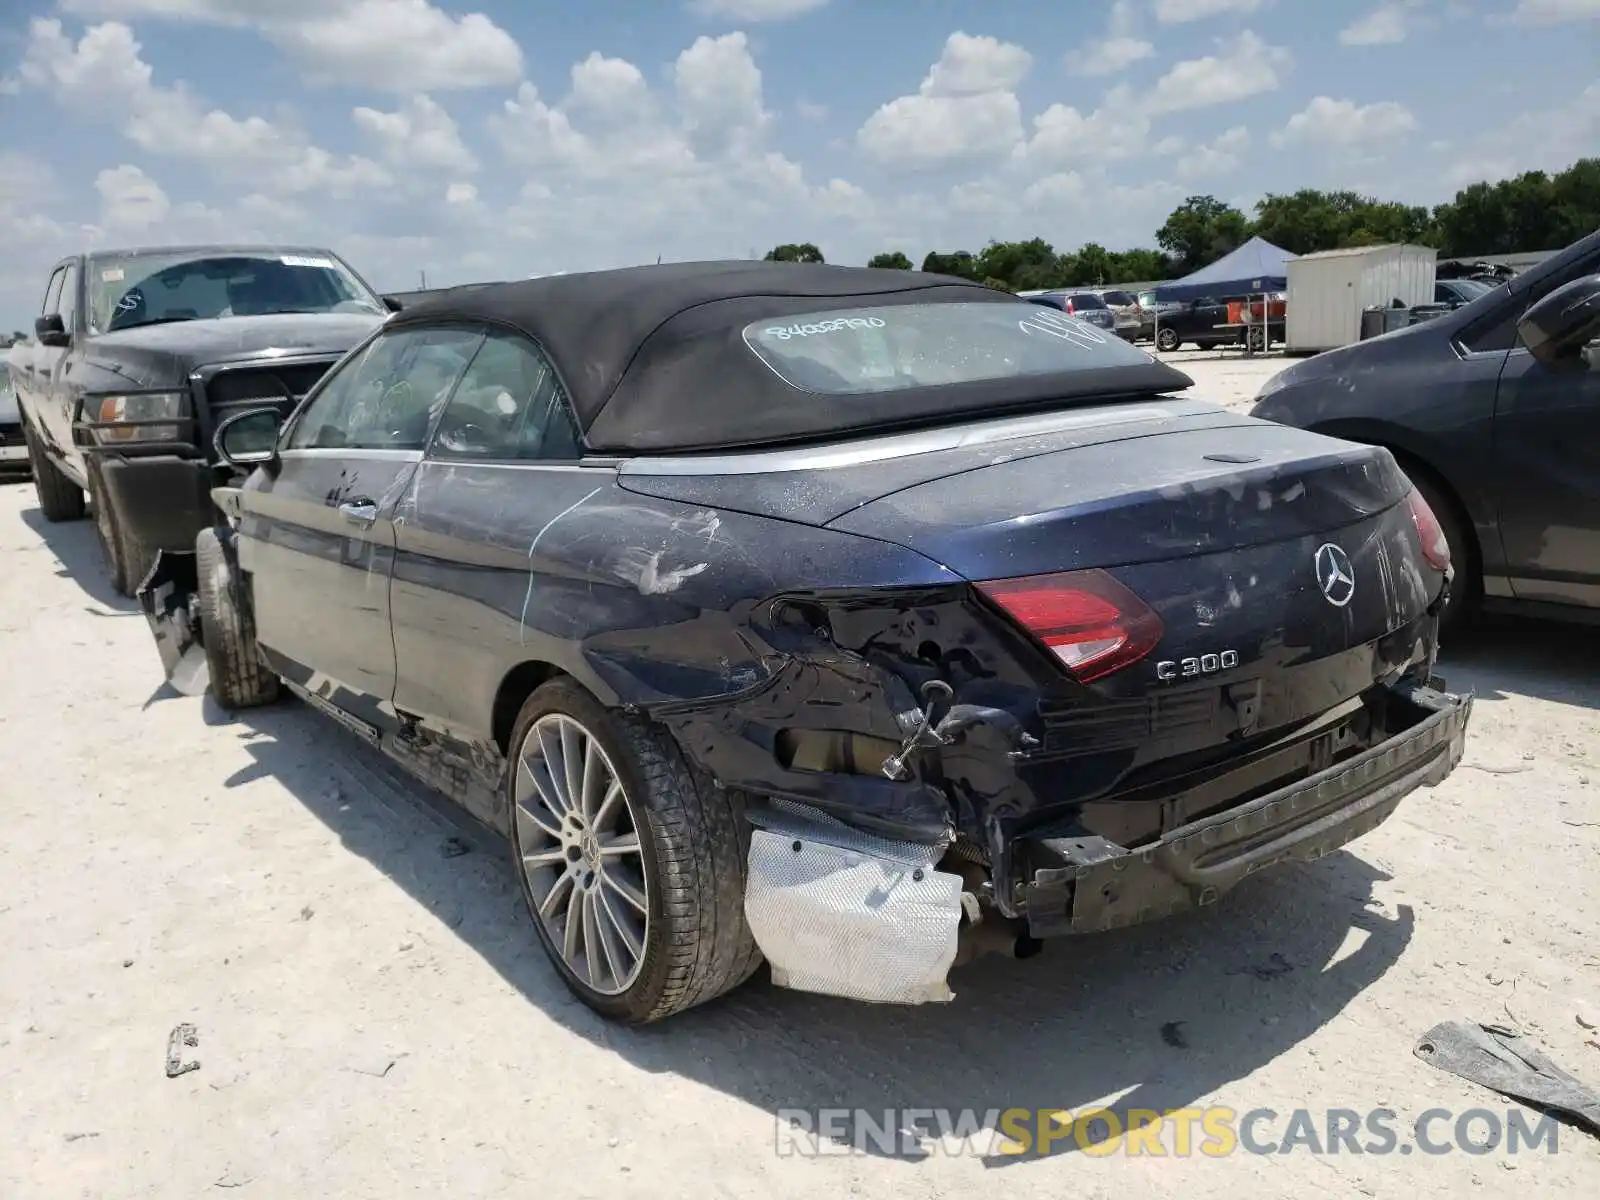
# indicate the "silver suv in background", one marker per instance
pixel 1086 306
pixel 1128 315
pixel 13 450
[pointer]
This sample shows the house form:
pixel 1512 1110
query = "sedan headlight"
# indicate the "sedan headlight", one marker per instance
pixel 133 410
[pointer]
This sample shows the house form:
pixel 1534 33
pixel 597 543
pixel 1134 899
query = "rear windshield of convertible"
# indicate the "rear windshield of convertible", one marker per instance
pixel 893 348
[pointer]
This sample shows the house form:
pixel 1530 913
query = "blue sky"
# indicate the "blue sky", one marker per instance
pixel 502 138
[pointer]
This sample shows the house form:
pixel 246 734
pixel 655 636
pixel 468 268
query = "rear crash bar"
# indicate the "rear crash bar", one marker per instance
pixel 1192 865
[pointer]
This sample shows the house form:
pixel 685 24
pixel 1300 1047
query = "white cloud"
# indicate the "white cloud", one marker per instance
pixel 1555 12
pixel 102 75
pixel 972 66
pixel 1177 12
pixel 1344 123
pixel 965 108
pixel 390 45
pixel 754 10
pixel 719 95
pixel 685 166
pixel 1386 25
pixel 1548 140
pixel 420 134
pixel 130 198
pixel 461 193
pixel 1220 156
pixel 1243 67
pixel 1063 136
pixel 1110 55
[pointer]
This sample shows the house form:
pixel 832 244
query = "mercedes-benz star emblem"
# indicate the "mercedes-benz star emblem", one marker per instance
pixel 1335 576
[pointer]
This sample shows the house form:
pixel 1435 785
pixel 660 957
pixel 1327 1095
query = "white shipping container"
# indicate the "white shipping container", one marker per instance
pixel 1328 291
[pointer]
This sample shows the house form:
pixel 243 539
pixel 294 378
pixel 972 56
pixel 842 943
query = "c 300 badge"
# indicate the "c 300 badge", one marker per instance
pixel 1192 668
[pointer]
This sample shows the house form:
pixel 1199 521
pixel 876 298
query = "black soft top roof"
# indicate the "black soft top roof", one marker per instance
pixel 654 360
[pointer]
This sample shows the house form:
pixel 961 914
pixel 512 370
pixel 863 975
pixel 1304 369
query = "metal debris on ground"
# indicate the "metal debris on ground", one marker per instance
pixel 181 1036
pixel 1500 1059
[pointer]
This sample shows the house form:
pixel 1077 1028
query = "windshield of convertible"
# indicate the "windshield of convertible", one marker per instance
pixel 891 348
pixel 129 290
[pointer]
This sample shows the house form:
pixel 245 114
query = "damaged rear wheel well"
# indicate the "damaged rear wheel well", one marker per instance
pixel 520 683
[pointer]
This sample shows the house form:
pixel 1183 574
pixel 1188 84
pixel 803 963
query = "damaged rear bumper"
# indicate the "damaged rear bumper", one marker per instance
pixel 844 913
pixel 1192 865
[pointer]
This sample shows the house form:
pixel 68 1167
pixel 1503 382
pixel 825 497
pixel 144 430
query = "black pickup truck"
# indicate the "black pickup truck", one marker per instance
pixel 138 355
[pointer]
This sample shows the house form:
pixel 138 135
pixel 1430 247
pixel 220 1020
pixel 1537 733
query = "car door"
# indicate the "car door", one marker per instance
pixel 32 379
pixel 470 599
pixel 1208 313
pixel 1547 461
pixel 61 396
pixel 318 533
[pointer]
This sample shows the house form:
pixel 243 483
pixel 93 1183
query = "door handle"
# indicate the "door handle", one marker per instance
pixel 361 512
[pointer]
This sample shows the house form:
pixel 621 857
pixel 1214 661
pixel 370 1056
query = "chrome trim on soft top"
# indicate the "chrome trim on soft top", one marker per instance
pixel 903 445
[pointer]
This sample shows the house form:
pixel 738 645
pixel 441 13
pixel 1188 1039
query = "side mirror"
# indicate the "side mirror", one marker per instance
pixel 50 330
pixel 1564 322
pixel 392 304
pixel 248 439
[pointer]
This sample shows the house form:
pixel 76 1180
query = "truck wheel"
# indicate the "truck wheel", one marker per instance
pixel 1167 339
pixel 632 864
pixel 239 679
pixel 59 498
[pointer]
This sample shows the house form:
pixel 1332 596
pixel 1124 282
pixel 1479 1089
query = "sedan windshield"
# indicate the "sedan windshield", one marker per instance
pixel 126 291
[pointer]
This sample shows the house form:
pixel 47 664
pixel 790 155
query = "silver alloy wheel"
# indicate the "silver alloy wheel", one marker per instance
pixel 580 853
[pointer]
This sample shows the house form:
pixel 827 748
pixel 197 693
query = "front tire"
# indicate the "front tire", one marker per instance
pixel 239 679
pixel 632 864
pixel 1167 339
pixel 59 498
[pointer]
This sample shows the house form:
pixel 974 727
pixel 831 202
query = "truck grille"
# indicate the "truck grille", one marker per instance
pixel 279 385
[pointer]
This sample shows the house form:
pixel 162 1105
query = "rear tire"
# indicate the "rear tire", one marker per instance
pixel 59 498
pixel 692 843
pixel 239 679
pixel 1167 339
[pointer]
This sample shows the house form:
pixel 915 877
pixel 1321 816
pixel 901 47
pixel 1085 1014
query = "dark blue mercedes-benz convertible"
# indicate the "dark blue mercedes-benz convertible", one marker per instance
pixel 853 621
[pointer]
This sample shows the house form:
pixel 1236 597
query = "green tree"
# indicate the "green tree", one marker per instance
pixel 1533 211
pixel 1309 220
pixel 959 262
pixel 895 261
pixel 1201 230
pixel 1020 265
pixel 1138 266
pixel 803 252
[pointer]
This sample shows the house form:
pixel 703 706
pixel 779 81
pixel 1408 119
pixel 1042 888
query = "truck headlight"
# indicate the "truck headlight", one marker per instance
pixel 135 409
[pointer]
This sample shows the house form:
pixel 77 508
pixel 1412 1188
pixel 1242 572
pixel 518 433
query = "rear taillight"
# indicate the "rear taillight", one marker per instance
pixel 1092 623
pixel 1435 549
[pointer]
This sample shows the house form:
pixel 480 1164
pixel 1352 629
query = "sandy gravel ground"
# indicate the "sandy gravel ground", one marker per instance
pixel 374 1019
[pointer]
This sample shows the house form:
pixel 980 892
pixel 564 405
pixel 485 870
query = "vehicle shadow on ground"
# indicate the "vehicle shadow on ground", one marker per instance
pixel 78 552
pixel 1506 656
pixel 1162 1015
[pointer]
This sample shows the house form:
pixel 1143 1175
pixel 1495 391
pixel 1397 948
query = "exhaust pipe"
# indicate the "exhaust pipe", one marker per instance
pixel 995 935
